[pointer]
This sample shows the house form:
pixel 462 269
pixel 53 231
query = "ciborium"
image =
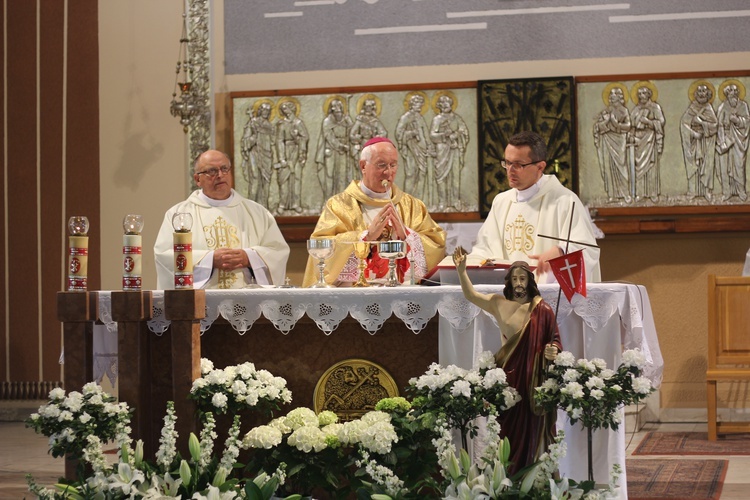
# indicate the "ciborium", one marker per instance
pixel 392 250
pixel 321 249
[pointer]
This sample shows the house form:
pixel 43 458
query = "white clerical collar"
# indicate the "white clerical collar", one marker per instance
pixel 531 191
pixel 372 194
pixel 215 203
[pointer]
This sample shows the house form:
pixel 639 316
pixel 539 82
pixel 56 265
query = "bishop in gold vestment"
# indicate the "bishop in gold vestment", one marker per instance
pixel 374 208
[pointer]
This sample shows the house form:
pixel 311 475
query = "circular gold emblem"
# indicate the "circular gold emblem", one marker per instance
pixel 352 387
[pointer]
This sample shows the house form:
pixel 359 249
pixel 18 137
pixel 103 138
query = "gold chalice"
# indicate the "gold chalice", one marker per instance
pixel 361 251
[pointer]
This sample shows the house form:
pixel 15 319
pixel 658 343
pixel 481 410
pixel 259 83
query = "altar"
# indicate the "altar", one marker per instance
pixel 403 320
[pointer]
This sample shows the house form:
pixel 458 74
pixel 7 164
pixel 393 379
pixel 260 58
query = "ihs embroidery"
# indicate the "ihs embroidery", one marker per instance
pixel 519 236
pixel 222 235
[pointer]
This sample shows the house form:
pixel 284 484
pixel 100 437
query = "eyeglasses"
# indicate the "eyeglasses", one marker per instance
pixel 507 165
pixel 383 165
pixel 213 171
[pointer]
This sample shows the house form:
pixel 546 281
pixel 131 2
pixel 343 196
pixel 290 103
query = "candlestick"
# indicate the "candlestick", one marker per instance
pixel 183 250
pixel 131 252
pixel 78 253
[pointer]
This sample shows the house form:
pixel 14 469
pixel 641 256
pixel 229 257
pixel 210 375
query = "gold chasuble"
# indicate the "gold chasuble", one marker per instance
pixel 342 218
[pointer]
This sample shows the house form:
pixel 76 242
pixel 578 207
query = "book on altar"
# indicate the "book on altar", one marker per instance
pixel 481 271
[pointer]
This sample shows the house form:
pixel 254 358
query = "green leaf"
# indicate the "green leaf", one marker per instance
pixel 269 488
pixel 252 492
pixel 529 478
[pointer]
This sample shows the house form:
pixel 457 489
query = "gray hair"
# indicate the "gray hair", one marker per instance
pixel 198 158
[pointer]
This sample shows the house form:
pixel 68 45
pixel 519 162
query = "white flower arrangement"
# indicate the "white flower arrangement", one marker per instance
pixel 590 392
pixel 69 419
pixel 310 446
pixel 199 476
pixel 236 388
pixel 302 452
pixel 461 395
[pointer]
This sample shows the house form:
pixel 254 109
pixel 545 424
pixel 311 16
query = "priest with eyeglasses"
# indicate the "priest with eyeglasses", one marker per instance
pixel 236 241
pixel 532 220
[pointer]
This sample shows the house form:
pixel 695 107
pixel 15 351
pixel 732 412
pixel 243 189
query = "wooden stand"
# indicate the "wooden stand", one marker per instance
pixel 728 344
pixel 77 311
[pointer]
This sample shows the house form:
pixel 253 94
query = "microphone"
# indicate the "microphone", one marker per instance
pixel 386 184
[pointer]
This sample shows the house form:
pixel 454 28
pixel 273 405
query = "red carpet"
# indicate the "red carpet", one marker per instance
pixel 689 479
pixel 693 443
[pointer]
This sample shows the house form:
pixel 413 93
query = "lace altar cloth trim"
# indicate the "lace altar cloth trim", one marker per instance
pixel 371 307
pixel 415 306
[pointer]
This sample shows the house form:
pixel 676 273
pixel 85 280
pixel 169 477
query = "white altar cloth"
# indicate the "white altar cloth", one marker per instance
pixel 614 317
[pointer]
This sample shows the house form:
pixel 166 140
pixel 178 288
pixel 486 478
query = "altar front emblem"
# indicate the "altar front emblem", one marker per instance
pixel 352 387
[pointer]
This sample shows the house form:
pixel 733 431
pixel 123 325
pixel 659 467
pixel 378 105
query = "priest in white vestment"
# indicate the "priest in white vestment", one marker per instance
pixel 536 204
pixel 236 241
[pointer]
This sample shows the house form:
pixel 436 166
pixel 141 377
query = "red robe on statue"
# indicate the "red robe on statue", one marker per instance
pixel 529 430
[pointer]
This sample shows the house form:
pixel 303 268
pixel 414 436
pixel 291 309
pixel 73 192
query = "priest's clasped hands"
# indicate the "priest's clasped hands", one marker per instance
pixel 229 259
pixel 386 218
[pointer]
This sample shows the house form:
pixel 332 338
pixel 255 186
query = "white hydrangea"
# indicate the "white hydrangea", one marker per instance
pixel 573 389
pixel 607 374
pixel 307 438
pixel 494 376
pixel 206 365
pixel 92 388
pixel 239 388
pixel 327 417
pixel 217 377
pixel 350 431
pixel 473 377
pixel 565 358
pixel 49 411
pixel 246 370
pixel 263 436
pixel 332 430
pixel 378 437
pixel 198 383
pixel 65 416
pixel 485 360
pixel 597 394
pixel 634 357
pixel 641 385
pixel 595 383
pixel 219 400
pixel 571 375
pixel 57 393
pixel 280 424
pixel 301 417
pixel 374 417
pixel 599 363
pixel 461 388
pixel 586 365
pixel 550 385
